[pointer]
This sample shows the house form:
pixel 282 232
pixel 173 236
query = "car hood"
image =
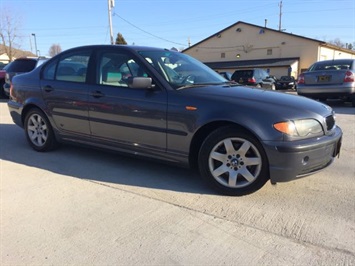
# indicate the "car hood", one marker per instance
pixel 261 99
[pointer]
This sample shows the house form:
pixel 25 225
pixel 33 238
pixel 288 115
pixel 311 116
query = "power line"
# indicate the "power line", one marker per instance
pixel 151 34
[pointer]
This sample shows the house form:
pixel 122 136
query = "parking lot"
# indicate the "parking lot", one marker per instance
pixel 82 206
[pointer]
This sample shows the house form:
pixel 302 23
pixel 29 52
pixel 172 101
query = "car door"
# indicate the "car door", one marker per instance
pixel 65 92
pixel 126 117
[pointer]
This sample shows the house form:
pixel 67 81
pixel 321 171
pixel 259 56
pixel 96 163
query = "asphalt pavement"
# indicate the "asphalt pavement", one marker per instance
pixel 79 206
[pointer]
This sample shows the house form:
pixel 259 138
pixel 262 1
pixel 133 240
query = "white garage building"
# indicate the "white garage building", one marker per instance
pixel 244 45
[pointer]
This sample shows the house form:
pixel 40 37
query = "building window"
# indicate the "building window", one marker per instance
pixel 223 55
pixel 269 52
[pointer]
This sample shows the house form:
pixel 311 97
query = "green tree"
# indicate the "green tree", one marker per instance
pixel 120 39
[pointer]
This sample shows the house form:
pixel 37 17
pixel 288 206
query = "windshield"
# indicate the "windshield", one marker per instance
pixel 181 70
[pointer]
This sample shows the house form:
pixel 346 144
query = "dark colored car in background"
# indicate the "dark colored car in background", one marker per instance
pixel 2 65
pixel 329 79
pixel 167 105
pixel 285 83
pixel 19 66
pixel 254 77
pixel 2 80
pixel 227 75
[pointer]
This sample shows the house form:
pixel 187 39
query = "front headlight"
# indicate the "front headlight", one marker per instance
pixel 304 128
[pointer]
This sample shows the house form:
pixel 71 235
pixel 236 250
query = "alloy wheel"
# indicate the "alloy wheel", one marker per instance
pixel 235 162
pixel 37 130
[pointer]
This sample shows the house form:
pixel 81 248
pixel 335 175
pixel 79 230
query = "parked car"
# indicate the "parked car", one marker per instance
pixel 19 66
pixel 2 81
pixel 329 79
pixel 2 65
pixel 128 100
pixel 227 75
pixel 254 77
pixel 285 83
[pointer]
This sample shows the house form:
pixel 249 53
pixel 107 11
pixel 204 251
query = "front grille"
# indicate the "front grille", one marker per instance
pixel 330 121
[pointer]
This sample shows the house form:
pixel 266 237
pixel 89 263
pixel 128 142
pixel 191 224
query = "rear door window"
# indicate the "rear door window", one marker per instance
pixel 72 67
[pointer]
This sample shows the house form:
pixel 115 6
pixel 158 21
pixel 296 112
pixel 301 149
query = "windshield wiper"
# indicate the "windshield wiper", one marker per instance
pixel 225 83
pixel 186 86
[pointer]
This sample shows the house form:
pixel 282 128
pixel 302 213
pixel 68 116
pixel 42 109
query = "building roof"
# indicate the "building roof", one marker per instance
pixel 322 43
pixel 16 53
pixel 276 62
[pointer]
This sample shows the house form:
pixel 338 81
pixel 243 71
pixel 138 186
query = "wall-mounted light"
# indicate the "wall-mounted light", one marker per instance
pixel 237 56
pixel 218 35
pixel 238 30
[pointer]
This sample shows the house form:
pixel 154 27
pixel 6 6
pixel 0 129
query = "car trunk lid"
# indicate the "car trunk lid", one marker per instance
pixel 324 77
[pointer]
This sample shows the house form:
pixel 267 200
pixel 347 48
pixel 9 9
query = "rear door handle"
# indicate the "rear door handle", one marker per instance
pixel 48 88
pixel 97 94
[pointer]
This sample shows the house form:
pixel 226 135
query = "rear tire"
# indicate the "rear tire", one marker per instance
pixel 39 132
pixel 233 162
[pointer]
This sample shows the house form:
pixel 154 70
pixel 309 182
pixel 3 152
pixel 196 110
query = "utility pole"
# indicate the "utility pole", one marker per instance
pixel 111 4
pixel 280 15
pixel 31 44
pixel 34 36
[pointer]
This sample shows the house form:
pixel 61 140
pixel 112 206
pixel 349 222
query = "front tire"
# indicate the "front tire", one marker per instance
pixel 39 132
pixel 233 162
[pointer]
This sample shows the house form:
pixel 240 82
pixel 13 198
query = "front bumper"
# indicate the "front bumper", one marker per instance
pixel 296 159
pixel 317 90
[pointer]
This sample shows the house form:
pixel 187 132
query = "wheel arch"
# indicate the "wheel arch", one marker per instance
pixel 27 108
pixel 200 136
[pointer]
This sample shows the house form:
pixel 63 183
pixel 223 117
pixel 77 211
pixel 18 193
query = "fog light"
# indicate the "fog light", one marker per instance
pixel 305 160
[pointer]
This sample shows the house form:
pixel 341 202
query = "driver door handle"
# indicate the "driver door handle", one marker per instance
pixel 97 94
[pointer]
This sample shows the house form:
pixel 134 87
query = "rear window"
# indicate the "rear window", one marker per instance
pixel 22 65
pixel 286 78
pixel 331 65
pixel 242 73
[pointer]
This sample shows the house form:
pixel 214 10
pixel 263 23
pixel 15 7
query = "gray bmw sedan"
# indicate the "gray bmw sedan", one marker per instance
pixel 168 106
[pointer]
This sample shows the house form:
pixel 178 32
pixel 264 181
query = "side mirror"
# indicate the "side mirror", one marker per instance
pixel 140 82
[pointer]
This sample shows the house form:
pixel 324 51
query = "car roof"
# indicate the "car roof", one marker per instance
pixel 335 60
pixel 126 47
